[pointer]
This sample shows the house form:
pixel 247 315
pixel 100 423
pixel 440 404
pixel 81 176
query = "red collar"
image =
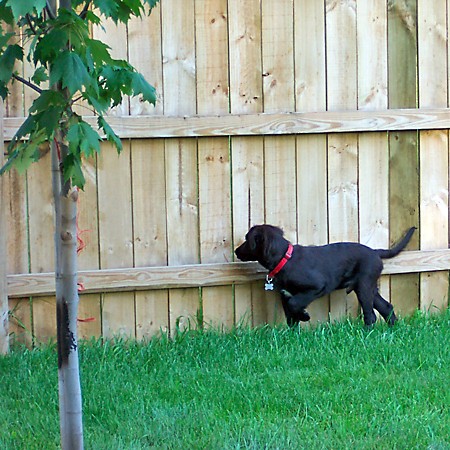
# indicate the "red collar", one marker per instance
pixel 283 261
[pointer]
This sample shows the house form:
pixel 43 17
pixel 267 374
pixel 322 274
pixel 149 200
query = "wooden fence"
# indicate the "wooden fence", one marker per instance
pixel 329 119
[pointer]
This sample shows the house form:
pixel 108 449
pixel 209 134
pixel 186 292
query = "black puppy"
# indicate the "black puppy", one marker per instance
pixel 303 274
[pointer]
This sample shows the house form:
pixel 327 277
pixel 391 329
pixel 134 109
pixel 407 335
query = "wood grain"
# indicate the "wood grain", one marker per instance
pixel 197 275
pixel 433 148
pixel 128 127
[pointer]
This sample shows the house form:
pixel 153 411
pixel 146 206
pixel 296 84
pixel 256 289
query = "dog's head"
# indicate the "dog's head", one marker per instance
pixel 261 243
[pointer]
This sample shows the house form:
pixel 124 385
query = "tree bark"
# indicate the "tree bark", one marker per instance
pixel 66 281
pixel 65 199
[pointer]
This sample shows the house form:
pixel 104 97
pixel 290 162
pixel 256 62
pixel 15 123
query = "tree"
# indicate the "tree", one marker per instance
pixel 75 67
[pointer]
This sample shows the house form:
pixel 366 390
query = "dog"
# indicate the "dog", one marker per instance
pixel 304 273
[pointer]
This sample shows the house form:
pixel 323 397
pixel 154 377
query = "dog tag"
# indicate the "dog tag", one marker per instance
pixel 268 286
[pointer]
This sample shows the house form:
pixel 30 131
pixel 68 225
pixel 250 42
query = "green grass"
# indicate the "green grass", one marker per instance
pixel 334 387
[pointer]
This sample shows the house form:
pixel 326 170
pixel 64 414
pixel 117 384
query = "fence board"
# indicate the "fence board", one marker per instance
pixel 244 20
pixel 434 206
pixel 373 167
pixel 310 95
pixel 279 153
pixel 312 210
pixel 178 45
pixel 211 27
pixel 42 257
pixel 404 161
pixel 144 53
pixel 15 189
pixel 115 236
pixel 342 149
pixel 89 306
pixel 4 322
pixel 268 123
pixel 199 275
pixel 149 231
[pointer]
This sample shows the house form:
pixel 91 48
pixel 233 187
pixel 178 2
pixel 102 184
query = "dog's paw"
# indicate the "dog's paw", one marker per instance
pixel 304 316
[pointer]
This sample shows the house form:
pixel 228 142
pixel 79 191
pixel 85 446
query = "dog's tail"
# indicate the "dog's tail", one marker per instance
pixel 394 251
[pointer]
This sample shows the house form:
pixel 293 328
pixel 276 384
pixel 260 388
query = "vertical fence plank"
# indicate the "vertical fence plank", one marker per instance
pixel 279 151
pixel 115 235
pixel 179 70
pixel 403 156
pixel 215 226
pixel 4 322
pixel 214 155
pixel 144 53
pixel 434 170
pixel 148 168
pixel 310 95
pixel 15 186
pixel 342 148
pixel 247 153
pixel 89 306
pixel 42 257
pixel 373 147
pixel 150 231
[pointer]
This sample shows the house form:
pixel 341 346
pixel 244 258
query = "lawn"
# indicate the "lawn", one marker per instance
pixel 333 387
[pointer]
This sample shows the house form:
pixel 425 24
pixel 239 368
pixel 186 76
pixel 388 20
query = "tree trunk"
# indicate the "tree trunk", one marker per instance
pixel 66 281
pixel 65 199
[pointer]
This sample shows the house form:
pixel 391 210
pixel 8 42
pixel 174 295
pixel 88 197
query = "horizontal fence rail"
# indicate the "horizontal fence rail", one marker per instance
pixel 198 275
pixel 129 127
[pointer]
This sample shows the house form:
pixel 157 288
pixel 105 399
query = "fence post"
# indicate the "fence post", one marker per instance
pixel 4 339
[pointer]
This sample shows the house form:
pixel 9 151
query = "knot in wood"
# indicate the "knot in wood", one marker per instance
pixel 74 195
pixel 66 236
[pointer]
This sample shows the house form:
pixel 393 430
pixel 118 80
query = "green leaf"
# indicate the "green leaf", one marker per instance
pixel 39 75
pixel 4 38
pixel 23 7
pixel 24 153
pixel 3 90
pixel 99 102
pixel 108 8
pixel 99 52
pixel 151 3
pixel 68 68
pixel 111 136
pixel 6 14
pixel 49 120
pixel 141 86
pixel 73 171
pixel 83 138
pixel 46 99
pixel 49 46
pixel 7 60
pixel 26 128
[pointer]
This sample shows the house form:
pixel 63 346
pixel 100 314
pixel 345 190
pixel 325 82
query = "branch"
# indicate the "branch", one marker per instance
pixel 50 11
pixel 30 24
pixel 27 83
pixel 83 13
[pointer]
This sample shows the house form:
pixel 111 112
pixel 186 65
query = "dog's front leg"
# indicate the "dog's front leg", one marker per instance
pixel 292 317
pixel 295 305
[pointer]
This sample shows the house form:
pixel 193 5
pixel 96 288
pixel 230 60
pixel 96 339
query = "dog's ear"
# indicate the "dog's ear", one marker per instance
pixel 254 239
pixel 271 240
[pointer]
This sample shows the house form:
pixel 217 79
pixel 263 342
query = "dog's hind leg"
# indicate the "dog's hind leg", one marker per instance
pixel 366 298
pixel 385 309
